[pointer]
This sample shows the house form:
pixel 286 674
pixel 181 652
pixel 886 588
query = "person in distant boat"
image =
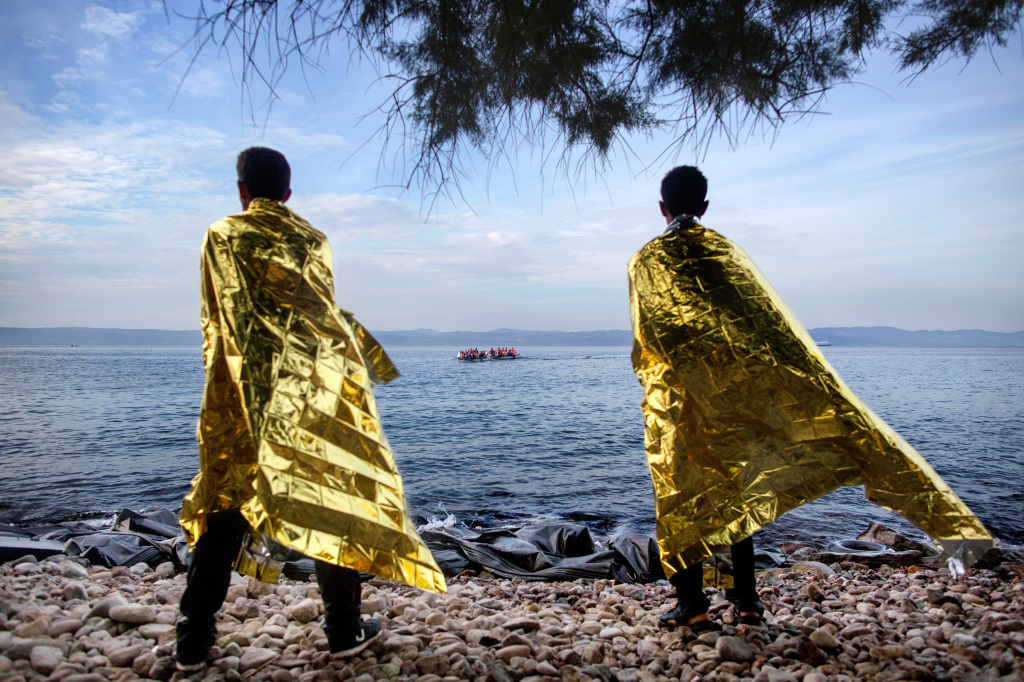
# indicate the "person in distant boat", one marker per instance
pixel 745 419
pixel 277 351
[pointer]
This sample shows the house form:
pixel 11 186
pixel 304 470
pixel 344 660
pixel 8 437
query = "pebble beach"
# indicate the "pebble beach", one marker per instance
pixel 61 619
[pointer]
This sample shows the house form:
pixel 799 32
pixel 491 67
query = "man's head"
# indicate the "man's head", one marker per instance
pixel 683 192
pixel 263 173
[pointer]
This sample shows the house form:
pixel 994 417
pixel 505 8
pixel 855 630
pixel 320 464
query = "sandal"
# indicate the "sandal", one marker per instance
pixel 750 612
pixel 690 617
pixel 748 606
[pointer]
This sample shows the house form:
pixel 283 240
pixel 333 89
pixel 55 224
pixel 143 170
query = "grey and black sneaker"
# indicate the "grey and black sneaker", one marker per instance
pixel 351 643
pixel 192 643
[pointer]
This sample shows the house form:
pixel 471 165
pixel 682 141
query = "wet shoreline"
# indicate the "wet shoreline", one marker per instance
pixel 118 429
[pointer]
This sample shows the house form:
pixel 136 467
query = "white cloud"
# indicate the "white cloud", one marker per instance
pixel 95 55
pixel 107 22
pixel 203 82
pixel 891 209
pixel 299 141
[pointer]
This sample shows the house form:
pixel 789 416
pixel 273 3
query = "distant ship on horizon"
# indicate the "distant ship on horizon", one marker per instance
pixel 823 343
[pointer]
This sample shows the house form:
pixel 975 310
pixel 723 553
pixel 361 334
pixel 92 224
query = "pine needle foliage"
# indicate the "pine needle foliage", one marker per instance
pixel 579 76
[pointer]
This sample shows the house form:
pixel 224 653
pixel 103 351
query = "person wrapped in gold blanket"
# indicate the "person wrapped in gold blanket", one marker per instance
pixel 291 448
pixel 744 417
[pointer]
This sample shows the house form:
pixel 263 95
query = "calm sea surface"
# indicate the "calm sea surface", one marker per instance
pixel 557 434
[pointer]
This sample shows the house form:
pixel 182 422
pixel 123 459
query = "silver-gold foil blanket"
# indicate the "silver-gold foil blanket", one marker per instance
pixel 745 419
pixel 289 431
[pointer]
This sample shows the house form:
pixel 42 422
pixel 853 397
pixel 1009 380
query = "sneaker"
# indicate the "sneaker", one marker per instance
pixel 192 644
pixel 344 646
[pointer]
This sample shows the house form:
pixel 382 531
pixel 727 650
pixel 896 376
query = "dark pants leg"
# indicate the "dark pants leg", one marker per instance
pixel 689 584
pixel 745 591
pixel 209 576
pixel 342 595
pixel 210 572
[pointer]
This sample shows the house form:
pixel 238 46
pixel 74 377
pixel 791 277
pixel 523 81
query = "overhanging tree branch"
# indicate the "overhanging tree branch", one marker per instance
pixel 582 75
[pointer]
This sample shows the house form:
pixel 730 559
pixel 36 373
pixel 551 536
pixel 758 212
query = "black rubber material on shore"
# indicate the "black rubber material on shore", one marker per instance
pixel 554 551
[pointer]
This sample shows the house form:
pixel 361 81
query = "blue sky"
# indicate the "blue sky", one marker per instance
pixel 900 205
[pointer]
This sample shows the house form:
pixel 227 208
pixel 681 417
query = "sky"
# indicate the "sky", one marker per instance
pixel 900 204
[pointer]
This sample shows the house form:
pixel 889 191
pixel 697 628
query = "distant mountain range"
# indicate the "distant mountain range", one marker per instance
pixel 96 336
pixel 420 338
pixel 893 337
pixel 503 337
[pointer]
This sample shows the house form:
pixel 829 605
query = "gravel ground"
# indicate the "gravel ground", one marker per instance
pixel 63 620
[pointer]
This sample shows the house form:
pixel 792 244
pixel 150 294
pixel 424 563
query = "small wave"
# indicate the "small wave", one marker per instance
pixel 435 523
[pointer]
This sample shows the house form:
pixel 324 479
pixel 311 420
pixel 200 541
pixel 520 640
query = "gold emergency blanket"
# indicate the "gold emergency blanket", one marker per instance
pixel 289 431
pixel 744 417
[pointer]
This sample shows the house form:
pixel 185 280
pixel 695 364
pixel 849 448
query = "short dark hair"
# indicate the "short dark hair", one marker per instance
pixel 265 172
pixel 683 191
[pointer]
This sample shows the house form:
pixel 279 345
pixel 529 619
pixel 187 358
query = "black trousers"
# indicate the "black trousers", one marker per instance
pixel 689 583
pixel 210 574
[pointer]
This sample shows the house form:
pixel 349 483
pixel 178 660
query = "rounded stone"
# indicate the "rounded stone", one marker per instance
pixel 27 568
pixel 64 626
pixel 592 653
pixel 244 609
pixel 813 567
pixel 163 668
pixel 74 590
pixel 815 593
pixel 430 665
pixel 143 663
pixel 254 658
pixel 811 654
pixel 855 630
pixel 545 668
pixel 165 570
pixel 133 614
pixel 373 605
pixel 736 649
pixel 281 675
pixel 523 623
pixel 304 611
pixel 124 657
pixel 103 606
pixel 963 639
pixel 781 676
pixel 33 628
pixel 823 639
pixel 507 653
pixel 45 659
pixel 294 634
pixel 155 630
pixel 70 569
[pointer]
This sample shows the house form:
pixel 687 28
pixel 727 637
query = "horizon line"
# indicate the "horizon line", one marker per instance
pixel 516 329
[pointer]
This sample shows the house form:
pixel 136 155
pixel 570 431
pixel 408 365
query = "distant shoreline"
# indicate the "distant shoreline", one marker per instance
pixel 888 337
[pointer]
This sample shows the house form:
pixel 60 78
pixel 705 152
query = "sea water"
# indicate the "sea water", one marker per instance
pixel 554 435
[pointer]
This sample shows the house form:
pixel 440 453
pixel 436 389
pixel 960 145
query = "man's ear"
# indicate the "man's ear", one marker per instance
pixel 664 212
pixel 243 195
pixel 703 210
pixel 287 195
